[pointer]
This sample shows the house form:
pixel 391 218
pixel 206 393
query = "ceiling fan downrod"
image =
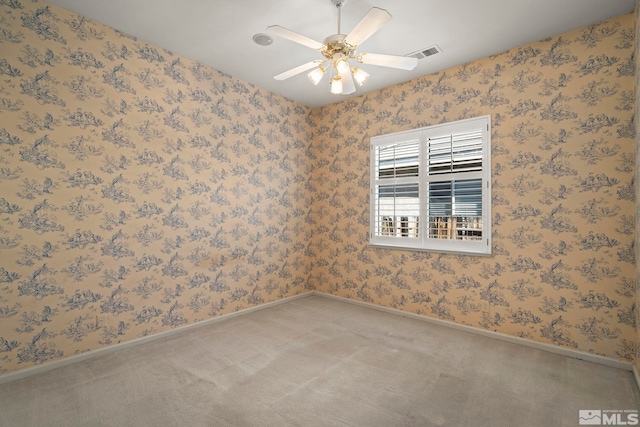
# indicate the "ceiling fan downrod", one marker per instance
pixel 335 46
pixel 339 4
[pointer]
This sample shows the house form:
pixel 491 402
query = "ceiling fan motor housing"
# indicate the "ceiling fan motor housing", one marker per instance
pixel 336 45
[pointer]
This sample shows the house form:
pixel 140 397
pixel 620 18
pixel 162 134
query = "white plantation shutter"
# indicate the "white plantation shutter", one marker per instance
pixel 437 176
pixel 397 195
pixel 453 153
pixel 399 159
pixel 454 176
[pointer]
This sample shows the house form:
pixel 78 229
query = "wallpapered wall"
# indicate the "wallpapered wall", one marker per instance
pixel 142 187
pixel 563 147
pixel 136 185
pixel 637 162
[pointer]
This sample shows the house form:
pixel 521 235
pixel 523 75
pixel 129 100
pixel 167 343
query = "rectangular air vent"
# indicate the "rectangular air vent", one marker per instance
pixel 423 53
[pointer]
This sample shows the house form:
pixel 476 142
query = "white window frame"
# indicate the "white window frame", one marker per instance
pixel 423 241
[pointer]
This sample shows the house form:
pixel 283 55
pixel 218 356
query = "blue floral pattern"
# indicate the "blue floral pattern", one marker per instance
pixel 153 192
pixel 563 269
pixel 137 187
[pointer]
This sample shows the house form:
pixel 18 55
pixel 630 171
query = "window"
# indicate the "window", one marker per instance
pixel 431 188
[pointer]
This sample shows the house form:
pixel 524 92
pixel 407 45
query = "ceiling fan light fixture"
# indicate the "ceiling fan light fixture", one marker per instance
pixel 316 75
pixel 359 75
pixel 340 49
pixel 336 85
pixel 342 66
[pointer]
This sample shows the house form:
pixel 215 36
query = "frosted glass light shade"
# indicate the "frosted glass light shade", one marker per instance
pixel 336 85
pixel 342 66
pixel 359 75
pixel 316 75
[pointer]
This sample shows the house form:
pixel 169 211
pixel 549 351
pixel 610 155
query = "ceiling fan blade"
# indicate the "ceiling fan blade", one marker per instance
pixel 371 23
pixel 297 70
pixel 393 61
pixel 347 82
pixel 279 31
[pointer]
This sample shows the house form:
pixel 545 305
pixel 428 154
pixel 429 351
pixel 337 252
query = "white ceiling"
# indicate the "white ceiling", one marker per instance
pixel 218 33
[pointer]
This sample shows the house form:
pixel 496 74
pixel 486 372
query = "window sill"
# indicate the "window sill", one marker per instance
pixel 439 251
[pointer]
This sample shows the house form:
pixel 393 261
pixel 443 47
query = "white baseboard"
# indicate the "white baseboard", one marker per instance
pixel 48 366
pixel 607 361
pixel 39 369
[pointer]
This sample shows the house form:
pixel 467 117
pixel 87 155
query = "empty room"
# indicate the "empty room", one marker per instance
pixel 319 212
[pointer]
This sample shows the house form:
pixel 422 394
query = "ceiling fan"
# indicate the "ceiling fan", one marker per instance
pixel 340 49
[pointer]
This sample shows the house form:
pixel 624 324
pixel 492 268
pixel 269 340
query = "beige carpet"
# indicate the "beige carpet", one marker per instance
pixel 319 362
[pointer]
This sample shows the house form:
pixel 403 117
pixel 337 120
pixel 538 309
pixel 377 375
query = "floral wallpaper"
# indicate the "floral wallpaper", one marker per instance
pixel 637 162
pixel 563 199
pixel 141 191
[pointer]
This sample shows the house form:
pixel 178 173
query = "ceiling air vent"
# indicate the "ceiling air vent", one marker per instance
pixel 423 53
